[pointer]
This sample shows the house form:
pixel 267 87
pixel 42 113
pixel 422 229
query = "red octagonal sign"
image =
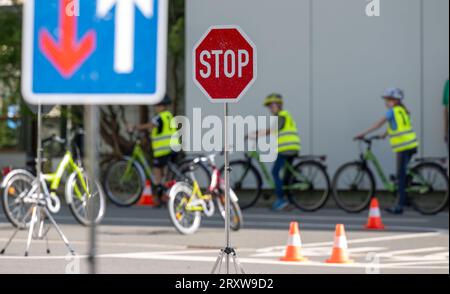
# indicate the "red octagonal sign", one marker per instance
pixel 224 63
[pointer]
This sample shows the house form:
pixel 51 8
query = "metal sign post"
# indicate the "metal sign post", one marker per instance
pixel 224 69
pixel 92 127
pixel 228 250
pixel 227 185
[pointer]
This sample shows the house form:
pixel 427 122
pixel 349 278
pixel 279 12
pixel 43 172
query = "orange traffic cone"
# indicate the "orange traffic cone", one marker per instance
pixel 374 222
pixel 147 198
pixel 339 253
pixel 294 246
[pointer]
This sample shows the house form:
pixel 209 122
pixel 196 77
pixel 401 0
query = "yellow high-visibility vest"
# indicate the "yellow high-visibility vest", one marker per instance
pixel 162 143
pixel 288 137
pixel 403 138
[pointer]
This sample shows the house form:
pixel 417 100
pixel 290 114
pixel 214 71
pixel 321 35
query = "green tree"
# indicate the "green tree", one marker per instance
pixel 176 53
pixel 10 63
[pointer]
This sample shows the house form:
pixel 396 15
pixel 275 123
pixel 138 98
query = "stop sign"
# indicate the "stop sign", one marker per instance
pixel 224 63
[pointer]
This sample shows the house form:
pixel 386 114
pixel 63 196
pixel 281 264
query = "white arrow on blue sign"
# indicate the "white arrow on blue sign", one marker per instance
pixel 94 51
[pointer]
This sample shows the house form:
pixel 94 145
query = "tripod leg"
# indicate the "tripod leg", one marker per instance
pixel 15 233
pixel 9 241
pixel 235 264
pixel 218 263
pixel 40 231
pixel 238 266
pixel 48 246
pixel 31 229
pixel 59 231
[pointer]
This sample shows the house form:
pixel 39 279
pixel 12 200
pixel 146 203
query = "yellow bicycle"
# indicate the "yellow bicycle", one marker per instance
pixel 187 203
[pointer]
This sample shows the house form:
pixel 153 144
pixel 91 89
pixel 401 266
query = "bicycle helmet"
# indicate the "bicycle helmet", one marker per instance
pixel 394 93
pixel 273 98
pixel 166 101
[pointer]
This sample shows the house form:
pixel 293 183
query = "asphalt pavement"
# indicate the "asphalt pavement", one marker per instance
pixel 142 240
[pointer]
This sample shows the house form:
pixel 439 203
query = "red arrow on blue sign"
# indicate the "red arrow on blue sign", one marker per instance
pixel 67 54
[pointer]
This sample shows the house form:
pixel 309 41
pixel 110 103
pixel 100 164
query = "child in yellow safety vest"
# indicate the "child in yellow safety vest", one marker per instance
pixel 163 145
pixel 402 138
pixel 288 144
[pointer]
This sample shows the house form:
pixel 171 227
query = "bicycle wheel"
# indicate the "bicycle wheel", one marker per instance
pixel 428 188
pixel 310 188
pixel 13 203
pixel 124 185
pixel 85 198
pixel 353 187
pixel 236 219
pixel 201 174
pixel 246 182
pixel 185 222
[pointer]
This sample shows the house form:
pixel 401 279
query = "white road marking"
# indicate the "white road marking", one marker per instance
pixel 380 239
pixel 402 264
pixel 409 251
pixel 327 218
pixel 356 241
pixel 393 259
pixel 112 244
pixel 176 257
pixel 320 251
pixel 170 257
pixel 43 257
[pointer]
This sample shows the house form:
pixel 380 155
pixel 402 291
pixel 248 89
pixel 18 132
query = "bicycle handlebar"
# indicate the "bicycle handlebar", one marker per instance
pixel 62 141
pixel 369 140
pixel 54 138
pixel 136 134
pixel 210 159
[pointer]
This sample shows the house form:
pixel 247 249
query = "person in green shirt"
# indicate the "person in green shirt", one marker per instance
pixel 445 103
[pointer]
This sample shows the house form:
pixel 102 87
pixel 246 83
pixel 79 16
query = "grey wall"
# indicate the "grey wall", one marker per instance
pixel 331 62
pixel 13 159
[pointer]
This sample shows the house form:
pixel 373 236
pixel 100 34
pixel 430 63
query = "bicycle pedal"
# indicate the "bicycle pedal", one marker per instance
pixel 266 196
pixel 393 178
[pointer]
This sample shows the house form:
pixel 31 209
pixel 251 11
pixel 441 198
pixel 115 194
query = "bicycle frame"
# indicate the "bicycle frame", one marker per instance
pixel 389 185
pixel 214 186
pixel 196 191
pixel 287 168
pixel 138 155
pixel 255 155
pixel 67 164
pixel 369 156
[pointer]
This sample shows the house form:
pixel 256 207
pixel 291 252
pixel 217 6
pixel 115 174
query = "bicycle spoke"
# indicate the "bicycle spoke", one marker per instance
pixel 429 189
pixel 16 211
pixel 309 187
pixel 352 187
pixel 79 208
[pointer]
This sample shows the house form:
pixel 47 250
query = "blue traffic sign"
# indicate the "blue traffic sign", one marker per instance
pixel 94 51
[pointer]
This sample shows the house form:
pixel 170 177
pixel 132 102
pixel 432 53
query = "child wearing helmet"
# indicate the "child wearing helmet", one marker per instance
pixel 288 144
pixel 163 145
pixel 403 139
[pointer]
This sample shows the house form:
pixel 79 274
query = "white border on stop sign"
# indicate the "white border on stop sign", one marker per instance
pixel 255 64
pixel 92 99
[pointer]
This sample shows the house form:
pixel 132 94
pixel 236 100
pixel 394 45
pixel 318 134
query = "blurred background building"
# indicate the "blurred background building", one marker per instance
pixel 328 58
pixel 331 62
